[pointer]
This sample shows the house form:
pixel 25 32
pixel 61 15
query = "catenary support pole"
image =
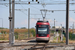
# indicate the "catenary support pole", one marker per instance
pixel 28 22
pixel 2 24
pixel 67 22
pixel 54 28
pixel 13 7
pixel 61 33
pixel 73 27
pixel 54 23
pixel 10 40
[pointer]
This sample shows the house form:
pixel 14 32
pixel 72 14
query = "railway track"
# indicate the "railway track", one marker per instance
pixel 38 46
pixel 44 46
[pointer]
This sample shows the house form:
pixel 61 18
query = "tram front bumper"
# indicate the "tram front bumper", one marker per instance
pixel 42 38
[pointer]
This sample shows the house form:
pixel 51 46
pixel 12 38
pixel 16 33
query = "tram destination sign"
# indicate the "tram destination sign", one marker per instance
pixel 42 25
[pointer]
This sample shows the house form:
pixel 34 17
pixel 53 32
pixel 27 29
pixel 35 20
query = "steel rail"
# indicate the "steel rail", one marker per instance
pixel 53 46
pixel 36 46
pixel 44 47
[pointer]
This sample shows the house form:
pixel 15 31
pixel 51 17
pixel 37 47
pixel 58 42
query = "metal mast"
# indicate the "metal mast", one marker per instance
pixel 67 22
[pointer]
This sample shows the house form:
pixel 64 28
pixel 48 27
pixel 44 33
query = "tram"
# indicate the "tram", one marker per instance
pixel 42 31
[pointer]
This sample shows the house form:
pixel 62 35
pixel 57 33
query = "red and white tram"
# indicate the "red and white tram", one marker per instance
pixel 42 31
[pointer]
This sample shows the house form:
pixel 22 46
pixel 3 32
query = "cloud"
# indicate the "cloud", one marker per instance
pixel 33 21
pixel 24 22
pixel 71 19
pixel 50 20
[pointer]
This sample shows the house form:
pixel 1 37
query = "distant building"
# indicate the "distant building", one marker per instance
pixel 57 27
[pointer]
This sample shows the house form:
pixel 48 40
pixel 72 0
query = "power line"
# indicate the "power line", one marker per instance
pixel 30 5
pixel 38 14
pixel 60 1
pixel 56 10
pixel 37 4
pixel 34 7
pixel 22 10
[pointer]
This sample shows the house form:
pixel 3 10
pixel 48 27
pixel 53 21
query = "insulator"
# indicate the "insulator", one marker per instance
pixel 36 0
pixel 28 2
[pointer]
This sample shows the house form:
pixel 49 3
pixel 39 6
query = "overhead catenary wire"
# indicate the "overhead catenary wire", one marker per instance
pixel 37 4
pixel 61 1
pixel 35 7
pixel 23 11
pixel 29 5
pixel 34 0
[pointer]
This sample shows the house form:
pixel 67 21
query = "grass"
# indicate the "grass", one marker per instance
pixel 18 33
pixel 17 30
pixel 18 36
pixel 59 40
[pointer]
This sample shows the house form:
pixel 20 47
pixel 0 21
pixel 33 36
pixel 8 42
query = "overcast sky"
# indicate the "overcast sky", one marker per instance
pixel 21 17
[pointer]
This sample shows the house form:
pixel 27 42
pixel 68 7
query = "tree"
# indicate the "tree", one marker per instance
pixel 32 28
pixel 33 32
pixel 53 27
pixel 16 35
pixel 23 28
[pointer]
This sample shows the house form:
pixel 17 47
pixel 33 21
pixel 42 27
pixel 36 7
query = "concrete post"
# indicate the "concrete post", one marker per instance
pixel 67 22
pixel 28 22
pixel 13 7
pixel 10 40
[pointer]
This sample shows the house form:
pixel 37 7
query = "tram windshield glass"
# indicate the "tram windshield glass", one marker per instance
pixel 42 30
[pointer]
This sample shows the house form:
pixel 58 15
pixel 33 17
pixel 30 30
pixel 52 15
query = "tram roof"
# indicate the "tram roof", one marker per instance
pixel 42 21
